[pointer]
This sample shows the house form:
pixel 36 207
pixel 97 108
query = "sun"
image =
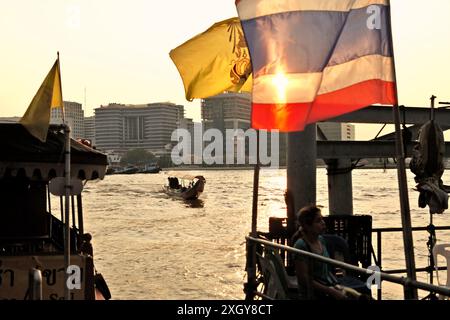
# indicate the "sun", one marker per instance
pixel 280 81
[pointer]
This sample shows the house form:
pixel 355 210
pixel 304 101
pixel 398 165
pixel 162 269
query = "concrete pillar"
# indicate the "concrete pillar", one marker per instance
pixel 340 190
pixel 301 170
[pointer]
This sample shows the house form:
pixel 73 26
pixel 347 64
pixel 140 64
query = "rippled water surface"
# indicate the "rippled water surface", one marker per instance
pixel 151 246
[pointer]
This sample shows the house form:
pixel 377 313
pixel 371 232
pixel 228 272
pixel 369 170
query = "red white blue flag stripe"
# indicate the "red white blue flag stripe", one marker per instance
pixel 317 59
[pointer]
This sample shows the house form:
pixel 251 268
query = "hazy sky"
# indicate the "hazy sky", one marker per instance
pixel 119 50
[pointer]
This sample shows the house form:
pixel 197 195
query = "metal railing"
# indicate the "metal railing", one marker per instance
pixel 404 281
pixel 378 257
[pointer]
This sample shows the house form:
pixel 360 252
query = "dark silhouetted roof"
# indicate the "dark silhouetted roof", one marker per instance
pixel 19 150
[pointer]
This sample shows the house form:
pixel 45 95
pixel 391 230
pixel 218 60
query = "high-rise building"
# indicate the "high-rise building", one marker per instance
pixel 74 116
pixel 338 131
pixel 188 124
pixel 227 111
pixel 89 129
pixel 120 127
pixel 9 119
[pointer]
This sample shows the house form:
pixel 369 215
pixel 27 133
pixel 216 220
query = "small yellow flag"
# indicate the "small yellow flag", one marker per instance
pixel 37 117
pixel 214 61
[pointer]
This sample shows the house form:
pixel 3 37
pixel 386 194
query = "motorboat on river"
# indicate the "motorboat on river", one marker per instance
pixel 186 187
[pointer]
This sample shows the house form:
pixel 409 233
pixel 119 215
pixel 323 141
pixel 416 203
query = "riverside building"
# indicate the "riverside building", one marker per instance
pixel 120 127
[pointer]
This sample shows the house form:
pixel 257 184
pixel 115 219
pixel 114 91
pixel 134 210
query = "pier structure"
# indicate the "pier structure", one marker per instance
pixel 339 155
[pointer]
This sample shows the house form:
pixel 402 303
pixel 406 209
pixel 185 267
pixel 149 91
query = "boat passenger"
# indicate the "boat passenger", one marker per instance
pixel 324 284
pixel 86 245
pixel 173 183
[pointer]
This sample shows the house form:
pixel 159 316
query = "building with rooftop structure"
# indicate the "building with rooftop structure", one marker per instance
pixel 120 127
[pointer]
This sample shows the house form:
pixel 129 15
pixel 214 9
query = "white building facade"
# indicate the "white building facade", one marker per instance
pixel 74 116
pixel 338 131
pixel 120 128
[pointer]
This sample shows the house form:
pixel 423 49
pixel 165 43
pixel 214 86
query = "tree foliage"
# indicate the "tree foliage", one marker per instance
pixel 138 157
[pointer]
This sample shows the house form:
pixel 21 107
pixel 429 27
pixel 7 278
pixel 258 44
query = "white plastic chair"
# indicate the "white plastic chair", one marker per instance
pixel 443 250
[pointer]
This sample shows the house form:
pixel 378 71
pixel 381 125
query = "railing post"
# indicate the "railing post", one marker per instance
pixel 379 291
pixel 407 288
pixel 250 286
pixel 309 280
pixel 340 190
pixel 35 284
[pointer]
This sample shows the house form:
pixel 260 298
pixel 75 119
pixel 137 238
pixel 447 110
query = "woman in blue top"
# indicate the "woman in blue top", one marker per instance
pixel 323 283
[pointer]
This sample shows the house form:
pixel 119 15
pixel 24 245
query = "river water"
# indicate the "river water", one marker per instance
pixel 148 245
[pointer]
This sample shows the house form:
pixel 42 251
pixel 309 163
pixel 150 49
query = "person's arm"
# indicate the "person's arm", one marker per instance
pixel 301 269
pixel 289 201
pixel 292 229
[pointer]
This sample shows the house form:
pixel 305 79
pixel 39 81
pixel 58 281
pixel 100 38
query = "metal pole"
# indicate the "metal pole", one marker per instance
pixel 74 223
pixel 72 202
pixel 251 247
pixel 67 211
pixel 410 292
pixel 433 98
pixel 48 199
pixel 380 264
pixel 431 244
pixel 35 284
pixel 67 188
pixel 61 208
pixel 80 215
pixel 255 189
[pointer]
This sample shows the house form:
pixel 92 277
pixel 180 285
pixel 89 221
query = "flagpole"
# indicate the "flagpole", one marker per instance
pixel 251 247
pixel 409 292
pixel 67 188
pixel 60 90
pixel 255 188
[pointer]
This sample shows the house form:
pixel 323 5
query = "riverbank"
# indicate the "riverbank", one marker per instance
pixel 197 168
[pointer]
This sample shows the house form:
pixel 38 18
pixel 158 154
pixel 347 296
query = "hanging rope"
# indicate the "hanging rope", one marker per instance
pixel 338 171
pixel 332 171
pixel 379 132
pixel 355 164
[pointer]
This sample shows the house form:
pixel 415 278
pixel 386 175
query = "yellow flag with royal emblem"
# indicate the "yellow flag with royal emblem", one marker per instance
pixel 214 61
pixel 37 117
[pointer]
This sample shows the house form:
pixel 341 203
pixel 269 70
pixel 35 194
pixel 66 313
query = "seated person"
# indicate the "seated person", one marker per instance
pixel 324 283
pixel 173 183
pixel 338 249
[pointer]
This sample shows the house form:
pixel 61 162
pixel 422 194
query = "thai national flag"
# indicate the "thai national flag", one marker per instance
pixel 317 59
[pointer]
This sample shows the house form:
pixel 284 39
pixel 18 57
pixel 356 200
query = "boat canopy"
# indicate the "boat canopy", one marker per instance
pixel 21 154
pixel 185 176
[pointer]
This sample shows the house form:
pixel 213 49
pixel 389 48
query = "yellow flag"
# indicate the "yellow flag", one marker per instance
pixel 214 61
pixel 37 117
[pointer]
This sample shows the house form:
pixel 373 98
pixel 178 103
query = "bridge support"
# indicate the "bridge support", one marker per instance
pixel 340 189
pixel 301 171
